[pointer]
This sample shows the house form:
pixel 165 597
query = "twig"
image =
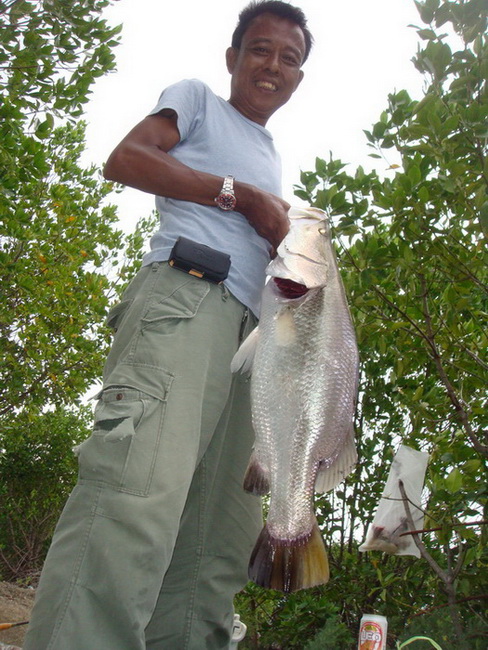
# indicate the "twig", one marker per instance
pixel 447 577
pixel 418 542
pixel 466 599
pixel 431 530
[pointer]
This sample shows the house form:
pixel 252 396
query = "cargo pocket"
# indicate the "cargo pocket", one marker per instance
pixel 183 301
pixel 116 314
pixel 122 450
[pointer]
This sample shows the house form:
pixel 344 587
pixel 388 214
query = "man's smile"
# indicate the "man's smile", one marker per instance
pixel 267 85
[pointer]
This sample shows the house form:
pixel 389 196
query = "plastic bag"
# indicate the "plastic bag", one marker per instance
pixel 390 520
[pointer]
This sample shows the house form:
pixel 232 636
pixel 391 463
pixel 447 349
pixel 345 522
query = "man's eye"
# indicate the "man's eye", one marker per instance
pixel 290 60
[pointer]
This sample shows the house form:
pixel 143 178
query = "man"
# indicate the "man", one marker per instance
pixel 155 539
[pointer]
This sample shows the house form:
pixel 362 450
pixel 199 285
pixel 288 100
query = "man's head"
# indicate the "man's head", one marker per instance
pixel 276 8
pixel 269 45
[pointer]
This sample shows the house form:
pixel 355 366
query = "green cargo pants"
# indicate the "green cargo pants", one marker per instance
pixel 154 541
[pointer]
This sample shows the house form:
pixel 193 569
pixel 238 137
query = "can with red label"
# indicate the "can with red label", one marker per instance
pixel 372 632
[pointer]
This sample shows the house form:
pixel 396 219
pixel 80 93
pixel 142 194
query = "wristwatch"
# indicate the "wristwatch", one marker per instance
pixel 226 200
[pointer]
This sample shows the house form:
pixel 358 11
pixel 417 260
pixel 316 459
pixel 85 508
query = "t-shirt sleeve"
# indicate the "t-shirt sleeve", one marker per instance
pixel 187 99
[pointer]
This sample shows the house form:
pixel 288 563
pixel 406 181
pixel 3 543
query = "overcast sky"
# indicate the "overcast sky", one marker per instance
pixel 363 51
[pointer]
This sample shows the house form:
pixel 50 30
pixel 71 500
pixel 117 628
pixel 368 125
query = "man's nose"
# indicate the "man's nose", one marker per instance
pixel 273 62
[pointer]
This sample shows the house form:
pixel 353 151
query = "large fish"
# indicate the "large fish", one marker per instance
pixel 304 386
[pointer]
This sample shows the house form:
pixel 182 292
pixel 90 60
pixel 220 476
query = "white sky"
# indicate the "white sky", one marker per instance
pixel 362 52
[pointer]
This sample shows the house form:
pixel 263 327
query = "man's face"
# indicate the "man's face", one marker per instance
pixel 266 69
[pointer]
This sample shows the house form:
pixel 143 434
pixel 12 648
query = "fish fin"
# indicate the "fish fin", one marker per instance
pixel 244 357
pixel 256 479
pixel 329 477
pixel 291 565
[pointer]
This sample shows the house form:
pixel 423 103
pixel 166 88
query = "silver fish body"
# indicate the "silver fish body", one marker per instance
pixel 303 391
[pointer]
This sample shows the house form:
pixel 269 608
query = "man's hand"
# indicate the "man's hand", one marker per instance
pixel 267 213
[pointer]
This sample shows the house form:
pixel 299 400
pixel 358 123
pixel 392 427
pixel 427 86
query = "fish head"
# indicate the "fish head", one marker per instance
pixel 302 255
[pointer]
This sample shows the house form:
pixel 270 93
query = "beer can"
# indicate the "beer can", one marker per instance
pixel 372 632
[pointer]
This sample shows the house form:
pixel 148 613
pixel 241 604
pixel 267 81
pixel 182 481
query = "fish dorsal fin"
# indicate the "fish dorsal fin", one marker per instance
pixel 244 357
pixel 329 477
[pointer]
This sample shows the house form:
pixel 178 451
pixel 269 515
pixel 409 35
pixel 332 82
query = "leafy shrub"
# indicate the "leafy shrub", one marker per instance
pixel 37 471
pixel 334 636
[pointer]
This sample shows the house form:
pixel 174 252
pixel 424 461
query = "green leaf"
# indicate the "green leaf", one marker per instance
pixel 426 14
pixel 427 34
pixel 454 481
pixel 483 218
pixel 419 638
pixel 414 174
pixel 472 466
pixel 379 129
pixel 423 194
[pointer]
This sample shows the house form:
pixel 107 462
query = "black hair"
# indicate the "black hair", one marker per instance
pixel 277 8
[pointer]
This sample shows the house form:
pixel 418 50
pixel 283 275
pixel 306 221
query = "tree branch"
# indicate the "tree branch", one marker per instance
pixel 459 406
pixel 447 577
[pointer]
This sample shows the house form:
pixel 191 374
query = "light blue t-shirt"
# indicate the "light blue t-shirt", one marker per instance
pixel 216 138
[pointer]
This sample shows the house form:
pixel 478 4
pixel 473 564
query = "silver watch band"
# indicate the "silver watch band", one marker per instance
pixel 228 185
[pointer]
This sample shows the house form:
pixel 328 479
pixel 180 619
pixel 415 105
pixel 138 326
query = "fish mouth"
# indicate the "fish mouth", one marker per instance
pixel 290 289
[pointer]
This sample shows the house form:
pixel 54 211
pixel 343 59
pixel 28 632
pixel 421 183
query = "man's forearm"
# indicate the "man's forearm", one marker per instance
pixel 152 170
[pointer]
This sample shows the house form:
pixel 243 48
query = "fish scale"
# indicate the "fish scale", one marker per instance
pixel 303 393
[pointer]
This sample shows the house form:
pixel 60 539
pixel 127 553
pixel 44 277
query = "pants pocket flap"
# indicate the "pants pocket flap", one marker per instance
pixel 152 380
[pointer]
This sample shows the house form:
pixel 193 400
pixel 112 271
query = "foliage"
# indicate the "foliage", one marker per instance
pixel 54 234
pixel 54 243
pixel 37 471
pixel 437 624
pixel 412 248
pixel 333 636
pixel 51 52
pixel 62 260
pixel 134 248
pixel 294 620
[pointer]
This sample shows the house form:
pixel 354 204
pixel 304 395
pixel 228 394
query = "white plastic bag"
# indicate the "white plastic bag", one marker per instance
pixel 390 520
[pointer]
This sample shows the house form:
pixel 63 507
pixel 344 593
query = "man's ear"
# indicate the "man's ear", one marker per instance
pixel 231 58
pixel 300 77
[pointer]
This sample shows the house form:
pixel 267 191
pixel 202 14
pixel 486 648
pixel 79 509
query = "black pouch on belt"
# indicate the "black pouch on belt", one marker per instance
pixel 199 260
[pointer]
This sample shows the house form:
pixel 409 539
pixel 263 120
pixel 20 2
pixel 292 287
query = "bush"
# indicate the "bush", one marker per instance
pixel 37 471
pixel 334 636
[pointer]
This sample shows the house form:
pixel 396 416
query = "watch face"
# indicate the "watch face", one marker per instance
pixel 226 201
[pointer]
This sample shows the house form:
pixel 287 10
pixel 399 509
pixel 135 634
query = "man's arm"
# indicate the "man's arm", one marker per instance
pixel 141 160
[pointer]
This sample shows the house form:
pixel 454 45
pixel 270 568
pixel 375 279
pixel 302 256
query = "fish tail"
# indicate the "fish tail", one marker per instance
pixel 256 480
pixel 289 565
